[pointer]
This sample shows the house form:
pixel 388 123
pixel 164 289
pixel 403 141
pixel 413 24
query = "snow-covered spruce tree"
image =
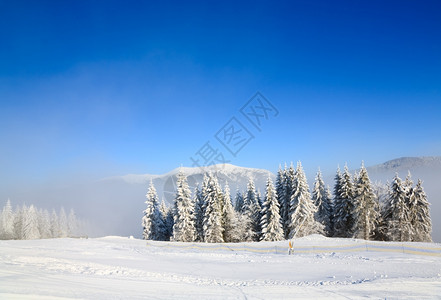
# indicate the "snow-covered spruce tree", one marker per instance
pixel 271 227
pixel 238 205
pixel 184 227
pixel 336 200
pixel 290 187
pixel 396 214
pixel 62 219
pixel 330 227
pixel 420 216
pixel 55 225
pixel 169 223
pixel 30 224
pixel 263 220
pixel 212 195
pixel 199 213
pixel 152 221
pixel 229 220
pixel 343 205
pixel 355 177
pixel 72 223
pixel 381 192
pixel 281 196
pixel 166 220
pixel 414 209
pixel 302 209
pixel 410 203
pixel 259 198
pixel 7 222
pixel 366 207
pixel 321 199
pixel 246 219
pixel 19 216
pixel 252 212
pixel 258 214
pixel 408 187
pixel 44 224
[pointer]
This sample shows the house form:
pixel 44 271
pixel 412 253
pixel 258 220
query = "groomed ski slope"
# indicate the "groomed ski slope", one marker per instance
pixel 123 268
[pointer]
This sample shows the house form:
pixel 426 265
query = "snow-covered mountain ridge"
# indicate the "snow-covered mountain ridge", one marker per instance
pixel 227 170
pixel 237 178
pixel 403 164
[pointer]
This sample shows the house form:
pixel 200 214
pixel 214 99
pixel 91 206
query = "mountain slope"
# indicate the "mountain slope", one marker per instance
pixel 403 164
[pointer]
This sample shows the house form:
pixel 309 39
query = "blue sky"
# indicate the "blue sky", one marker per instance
pixel 101 88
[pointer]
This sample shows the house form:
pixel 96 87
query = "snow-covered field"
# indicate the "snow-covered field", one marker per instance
pixel 117 267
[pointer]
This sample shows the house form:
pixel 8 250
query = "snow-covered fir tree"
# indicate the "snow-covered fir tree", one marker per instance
pixel 19 216
pixel 63 223
pixel 184 226
pixel 167 220
pixel 252 212
pixel 343 205
pixel 290 187
pixel 152 221
pixel 55 225
pixel 7 222
pixel 258 215
pixel 281 196
pixel 30 229
pixel 199 213
pixel 329 228
pixel 271 226
pixel 31 223
pixel 72 224
pixel 396 214
pixel 259 198
pixel 238 204
pixel 381 192
pixel 355 177
pixel 338 178
pixel 408 187
pixel 322 200
pixel 212 195
pixel 302 209
pixel 420 216
pixel 229 220
pixel 366 208
pixel 44 224
pixel 163 209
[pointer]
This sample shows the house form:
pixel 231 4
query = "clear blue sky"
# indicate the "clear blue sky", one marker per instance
pixel 91 89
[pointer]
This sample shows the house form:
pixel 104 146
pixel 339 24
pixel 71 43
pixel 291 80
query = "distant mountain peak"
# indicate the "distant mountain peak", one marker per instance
pixel 237 178
pixel 228 170
pixel 407 163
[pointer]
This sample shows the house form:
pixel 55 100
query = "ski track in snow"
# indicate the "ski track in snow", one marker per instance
pixel 115 268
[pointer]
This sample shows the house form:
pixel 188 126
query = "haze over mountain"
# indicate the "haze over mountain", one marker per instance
pixel 237 178
pixel 114 205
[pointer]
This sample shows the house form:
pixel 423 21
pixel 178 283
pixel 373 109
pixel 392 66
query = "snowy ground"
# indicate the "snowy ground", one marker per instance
pixel 116 267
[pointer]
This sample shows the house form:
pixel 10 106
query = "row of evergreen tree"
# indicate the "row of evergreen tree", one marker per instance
pixel 27 223
pixel 356 209
pixel 398 211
